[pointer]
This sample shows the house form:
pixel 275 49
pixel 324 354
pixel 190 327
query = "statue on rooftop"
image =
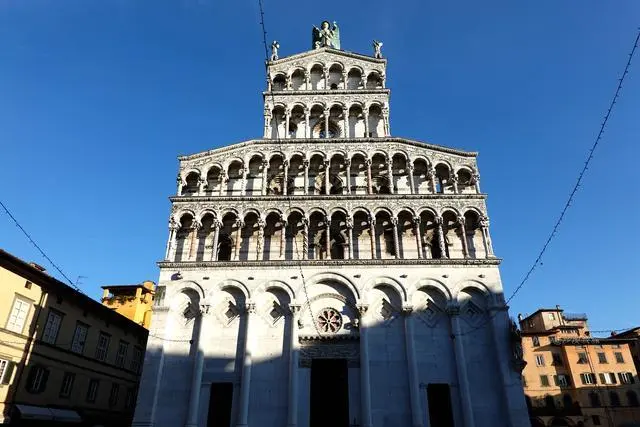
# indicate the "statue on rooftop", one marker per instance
pixel 325 36
pixel 377 45
pixel 274 50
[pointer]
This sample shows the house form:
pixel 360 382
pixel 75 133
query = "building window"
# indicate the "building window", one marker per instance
pixel 37 379
pixel 561 380
pixel 602 358
pixel 594 398
pixel 595 419
pixel 92 391
pixel 121 355
pixel 136 359
pixel 557 359
pixel 582 357
pixel 6 370
pixel 67 384
pixel 608 378
pixel 28 284
pixel 626 378
pixel 79 338
pixel 103 346
pixel 619 358
pixel 539 360
pixel 130 398
pixel 632 397
pixel 52 327
pixel 113 394
pixel 18 315
pixel 552 316
pixel 535 341
pixel 544 380
pixel 614 398
pixel 588 378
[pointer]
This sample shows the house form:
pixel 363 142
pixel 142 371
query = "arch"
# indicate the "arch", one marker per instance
pixel 233 284
pixel 429 282
pixel 205 212
pixel 190 286
pixel 386 281
pixel 182 213
pixel 336 277
pixel 277 284
pixel 476 285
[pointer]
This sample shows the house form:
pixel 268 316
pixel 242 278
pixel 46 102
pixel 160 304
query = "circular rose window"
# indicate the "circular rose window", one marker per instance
pixel 329 320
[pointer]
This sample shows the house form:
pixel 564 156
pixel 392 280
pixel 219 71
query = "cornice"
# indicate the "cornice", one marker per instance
pixel 279 264
pixel 314 52
pixel 384 197
pixel 332 92
pixel 336 141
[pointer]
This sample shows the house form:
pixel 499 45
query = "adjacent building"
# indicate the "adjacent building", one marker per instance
pixel 574 379
pixel 64 357
pixel 131 301
pixel 330 273
pixel 634 335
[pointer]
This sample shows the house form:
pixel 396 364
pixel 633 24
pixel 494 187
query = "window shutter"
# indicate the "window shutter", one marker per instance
pixel 555 380
pixel 583 378
pixel 613 378
pixel 631 379
pixel 30 377
pixel 45 377
pixel 602 380
pixel 621 377
pixel 8 370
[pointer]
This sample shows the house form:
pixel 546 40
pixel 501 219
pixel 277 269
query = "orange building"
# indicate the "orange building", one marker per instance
pixel 573 379
pixel 131 301
pixel 633 334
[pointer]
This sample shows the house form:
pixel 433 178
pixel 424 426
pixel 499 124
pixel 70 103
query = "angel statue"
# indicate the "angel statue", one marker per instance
pixel 274 50
pixel 377 45
pixel 325 36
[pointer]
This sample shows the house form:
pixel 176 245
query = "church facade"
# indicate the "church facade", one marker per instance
pixel 329 273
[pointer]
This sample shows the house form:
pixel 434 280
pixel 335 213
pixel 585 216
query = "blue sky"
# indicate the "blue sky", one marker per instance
pixel 98 98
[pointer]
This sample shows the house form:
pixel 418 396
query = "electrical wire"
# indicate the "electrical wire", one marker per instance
pixel 574 190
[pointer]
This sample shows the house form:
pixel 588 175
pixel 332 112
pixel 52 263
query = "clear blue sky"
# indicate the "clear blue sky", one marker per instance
pixel 98 98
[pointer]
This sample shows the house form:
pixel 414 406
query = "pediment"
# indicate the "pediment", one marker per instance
pixel 327 56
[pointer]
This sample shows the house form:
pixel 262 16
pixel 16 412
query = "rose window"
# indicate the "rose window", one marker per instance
pixel 329 320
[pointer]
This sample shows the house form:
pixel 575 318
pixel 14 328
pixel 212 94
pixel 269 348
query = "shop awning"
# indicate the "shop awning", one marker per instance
pixel 66 415
pixel 28 412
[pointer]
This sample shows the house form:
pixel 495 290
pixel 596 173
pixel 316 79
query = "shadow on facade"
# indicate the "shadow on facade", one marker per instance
pixel 610 406
pixel 361 370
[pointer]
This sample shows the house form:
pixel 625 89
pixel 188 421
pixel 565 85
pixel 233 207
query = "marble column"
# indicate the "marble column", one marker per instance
pixel 265 174
pixel 283 237
pixel 441 242
pixel 307 125
pixel 461 365
pixel 305 163
pixel 285 178
pixel 385 120
pixel 390 175
pixel 294 355
pixel 171 241
pixel 193 245
pixel 365 374
pixel 369 180
pixel 202 185
pixel 180 184
pixel 260 240
pixel 366 124
pixel 327 240
pixel 486 239
pixel 412 368
pixel 347 175
pixel 325 73
pixel 196 377
pixel 475 179
pixel 287 119
pixel 463 236
pixel 345 117
pixel 431 176
pixel 383 80
pixel 345 80
pixel 307 80
pixel 412 184
pixel 236 253
pixel 416 232
pixel 223 181
pixel 305 238
pixel 243 184
pixel 372 232
pixel 216 236
pixel 396 243
pixel 245 382
pixel 326 122
pixel 363 81
pixel 267 121
pixel 453 179
pixel 350 237
pixel 327 183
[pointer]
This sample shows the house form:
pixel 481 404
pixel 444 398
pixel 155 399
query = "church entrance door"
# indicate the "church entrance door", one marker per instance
pixel 329 393
pixel 220 405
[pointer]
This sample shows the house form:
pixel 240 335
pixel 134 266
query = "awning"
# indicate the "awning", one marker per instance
pixel 66 415
pixel 28 412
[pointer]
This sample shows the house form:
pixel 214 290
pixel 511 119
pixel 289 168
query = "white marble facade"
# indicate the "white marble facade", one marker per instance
pixel 330 240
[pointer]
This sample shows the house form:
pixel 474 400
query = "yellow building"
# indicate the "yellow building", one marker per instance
pixel 131 301
pixel 64 357
pixel 573 379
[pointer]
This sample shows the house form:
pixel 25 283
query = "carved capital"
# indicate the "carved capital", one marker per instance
pixel 460 220
pixel 484 222
pixel 305 163
pixel 453 310
pixel 394 221
pixel 416 220
pixel 204 309
pixel 217 224
pixel 349 223
pixel 250 307
pixel 368 162
pixel 407 309
pixel 239 223
pixel 294 309
pixel 261 223
pixel 438 220
pixel 362 309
